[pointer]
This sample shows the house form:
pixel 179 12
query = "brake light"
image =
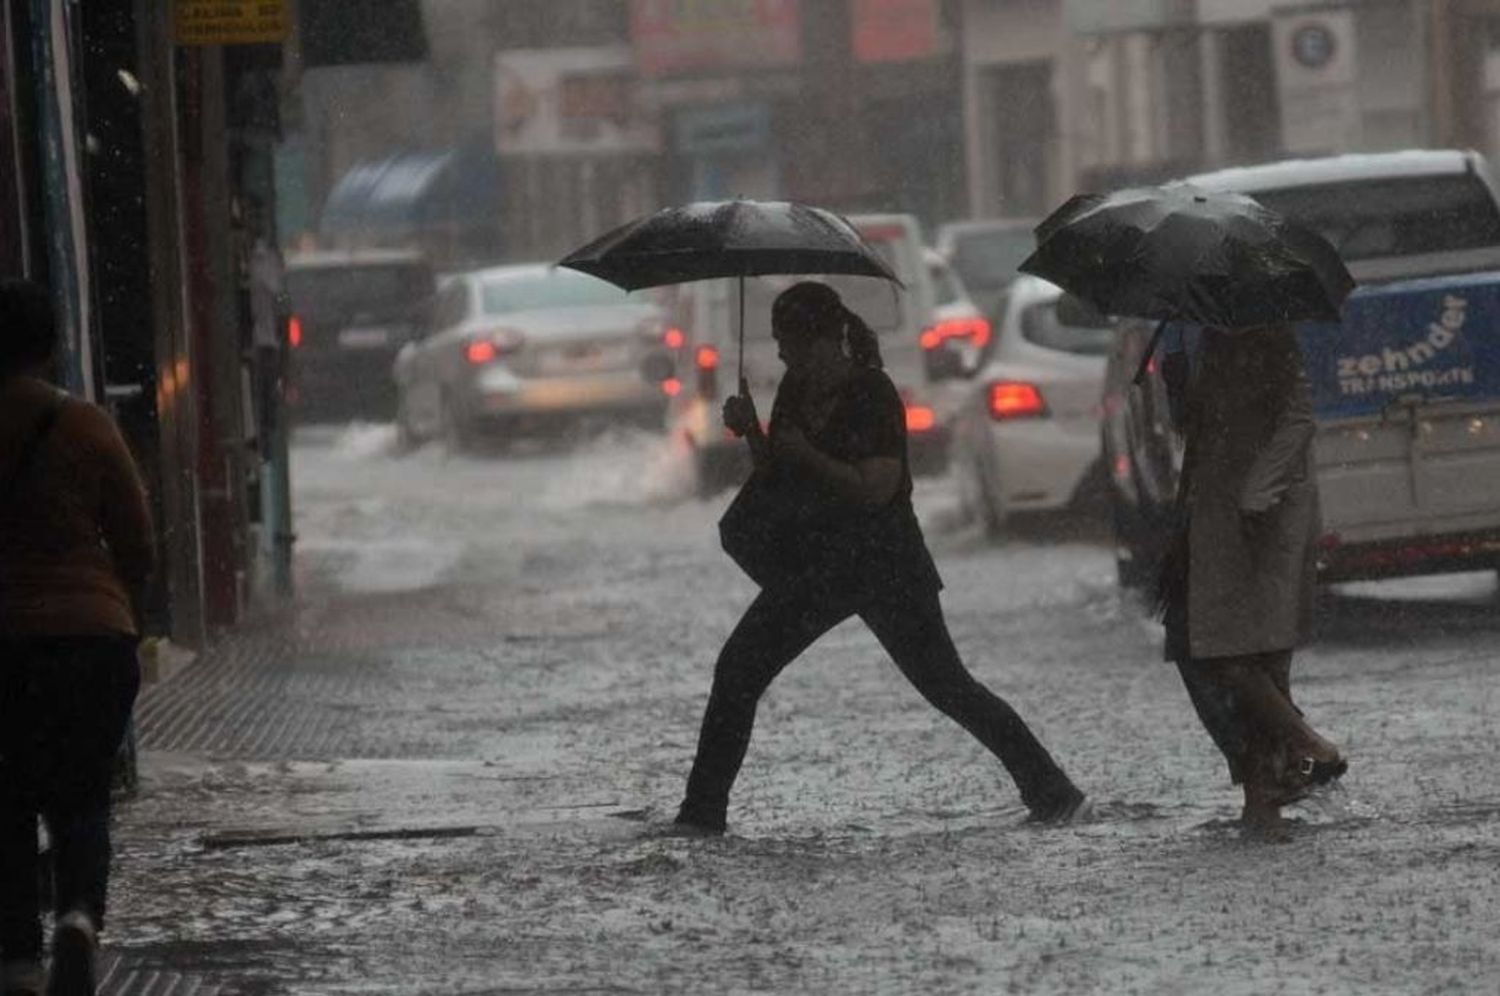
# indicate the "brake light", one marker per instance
pixel 671 387
pixel 488 345
pixel 1016 399
pixel 708 358
pixel 976 330
pixel 920 418
pixel 294 331
pixel 673 338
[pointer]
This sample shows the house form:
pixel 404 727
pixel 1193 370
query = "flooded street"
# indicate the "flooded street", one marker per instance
pixel 440 772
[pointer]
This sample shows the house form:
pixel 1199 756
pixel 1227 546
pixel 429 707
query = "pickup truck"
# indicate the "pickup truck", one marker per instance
pixel 1406 387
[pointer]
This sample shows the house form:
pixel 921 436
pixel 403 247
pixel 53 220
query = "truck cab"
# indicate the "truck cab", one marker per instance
pixel 1406 387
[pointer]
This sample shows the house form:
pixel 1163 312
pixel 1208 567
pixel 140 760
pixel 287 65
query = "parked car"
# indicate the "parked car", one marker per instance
pixel 351 312
pixel 704 328
pixel 985 253
pixel 529 349
pixel 1406 389
pixel 1026 437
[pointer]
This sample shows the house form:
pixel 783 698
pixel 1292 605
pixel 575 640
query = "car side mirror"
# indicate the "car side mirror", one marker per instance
pixel 1079 313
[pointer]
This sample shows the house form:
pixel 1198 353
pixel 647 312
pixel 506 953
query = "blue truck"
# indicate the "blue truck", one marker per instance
pixel 1406 387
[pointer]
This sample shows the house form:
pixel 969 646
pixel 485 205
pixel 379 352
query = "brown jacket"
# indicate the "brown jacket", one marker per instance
pixel 1252 496
pixel 76 543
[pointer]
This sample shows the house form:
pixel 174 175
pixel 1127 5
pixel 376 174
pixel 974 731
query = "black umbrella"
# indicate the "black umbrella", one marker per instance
pixel 738 238
pixel 1180 253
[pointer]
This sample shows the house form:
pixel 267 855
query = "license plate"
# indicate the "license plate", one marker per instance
pixel 364 338
pixel 585 358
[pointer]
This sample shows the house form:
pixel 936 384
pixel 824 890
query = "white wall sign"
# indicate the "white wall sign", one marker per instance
pixel 569 101
pixel 1317 76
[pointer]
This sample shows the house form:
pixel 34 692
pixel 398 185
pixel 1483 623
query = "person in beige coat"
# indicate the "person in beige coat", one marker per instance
pixel 1238 589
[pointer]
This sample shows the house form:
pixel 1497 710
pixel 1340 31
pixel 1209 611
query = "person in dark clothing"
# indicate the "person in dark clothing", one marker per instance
pixel 75 553
pixel 837 440
pixel 1237 588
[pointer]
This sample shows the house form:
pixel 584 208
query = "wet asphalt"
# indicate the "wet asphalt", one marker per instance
pixel 441 770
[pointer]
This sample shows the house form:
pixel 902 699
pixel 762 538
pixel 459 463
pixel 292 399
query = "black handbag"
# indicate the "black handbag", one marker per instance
pixel 767 530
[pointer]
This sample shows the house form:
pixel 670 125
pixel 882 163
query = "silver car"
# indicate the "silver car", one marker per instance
pixel 523 349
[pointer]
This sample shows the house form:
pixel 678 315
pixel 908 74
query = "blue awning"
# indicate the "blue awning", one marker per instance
pixel 414 191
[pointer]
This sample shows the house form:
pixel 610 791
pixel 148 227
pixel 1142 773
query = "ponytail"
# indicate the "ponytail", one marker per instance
pixel 816 309
pixel 861 342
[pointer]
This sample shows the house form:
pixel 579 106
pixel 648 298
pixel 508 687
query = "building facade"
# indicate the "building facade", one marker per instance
pixel 1063 95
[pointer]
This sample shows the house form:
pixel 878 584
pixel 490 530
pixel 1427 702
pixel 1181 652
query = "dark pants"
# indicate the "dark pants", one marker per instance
pixel 778 626
pixel 1223 716
pixel 64 704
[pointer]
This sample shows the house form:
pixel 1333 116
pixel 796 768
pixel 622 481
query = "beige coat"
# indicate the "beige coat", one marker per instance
pixel 1252 495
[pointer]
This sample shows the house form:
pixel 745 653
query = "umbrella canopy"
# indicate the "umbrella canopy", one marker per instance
pixel 739 238
pixel 1178 252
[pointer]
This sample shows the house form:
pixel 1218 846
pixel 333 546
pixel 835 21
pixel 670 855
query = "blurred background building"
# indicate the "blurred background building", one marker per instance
pixel 535 124
pixel 156 156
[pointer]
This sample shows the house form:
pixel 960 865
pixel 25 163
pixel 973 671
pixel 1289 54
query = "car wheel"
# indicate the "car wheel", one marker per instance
pixel 1132 562
pixel 458 435
pixel 407 438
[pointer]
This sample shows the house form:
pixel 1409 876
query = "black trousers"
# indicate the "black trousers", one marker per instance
pixel 1218 707
pixel 780 625
pixel 64 705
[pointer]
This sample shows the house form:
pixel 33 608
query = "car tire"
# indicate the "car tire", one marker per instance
pixel 458 435
pixel 407 439
pixel 1132 560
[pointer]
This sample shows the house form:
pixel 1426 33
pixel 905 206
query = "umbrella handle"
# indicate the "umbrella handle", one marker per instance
pixel 744 389
pixel 1140 371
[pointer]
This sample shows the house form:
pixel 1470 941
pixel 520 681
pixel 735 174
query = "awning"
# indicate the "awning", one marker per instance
pixel 415 191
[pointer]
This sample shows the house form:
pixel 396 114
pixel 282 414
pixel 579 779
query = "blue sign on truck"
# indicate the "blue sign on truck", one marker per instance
pixel 1430 340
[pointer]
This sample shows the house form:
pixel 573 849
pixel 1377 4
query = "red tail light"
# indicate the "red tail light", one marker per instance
pixel 294 331
pixel 673 338
pixel 480 351
pixel 1016 399
pixel 671 387
pixel 976 330
pixel 488 345
pixel 920 418
pixel 708 358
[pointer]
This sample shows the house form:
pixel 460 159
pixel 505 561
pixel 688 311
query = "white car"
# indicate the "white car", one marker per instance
pixel 516 349
pixel 1027 436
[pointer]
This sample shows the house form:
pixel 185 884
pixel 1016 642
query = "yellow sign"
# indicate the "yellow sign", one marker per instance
pixel 231 22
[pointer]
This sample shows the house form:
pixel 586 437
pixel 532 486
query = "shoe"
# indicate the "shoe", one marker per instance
pixel 1074 807
pixel 22 977
pixel 74 947
pixel 1322 772
pixel 685 829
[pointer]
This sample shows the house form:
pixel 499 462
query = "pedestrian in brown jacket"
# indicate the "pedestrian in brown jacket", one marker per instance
pixel 1238 588
pixel 76 550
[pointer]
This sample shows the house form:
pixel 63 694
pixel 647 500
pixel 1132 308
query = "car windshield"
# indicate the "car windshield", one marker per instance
pixel 556 289
pixel 1394 216
pixel 988 259
pixel 1041 326
pixel 375 292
